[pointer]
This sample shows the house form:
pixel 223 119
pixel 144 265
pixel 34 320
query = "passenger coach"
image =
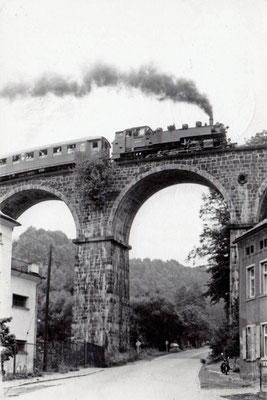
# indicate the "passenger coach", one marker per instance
pixel 58 154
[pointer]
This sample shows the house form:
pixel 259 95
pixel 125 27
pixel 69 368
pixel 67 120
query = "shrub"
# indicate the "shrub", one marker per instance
pixel 93 177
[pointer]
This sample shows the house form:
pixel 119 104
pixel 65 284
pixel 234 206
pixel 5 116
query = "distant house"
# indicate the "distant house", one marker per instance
pixel 252 250
pixel 18 287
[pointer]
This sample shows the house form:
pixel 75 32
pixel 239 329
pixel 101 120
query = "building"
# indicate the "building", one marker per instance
pixel 7 225
pixel 18 299
pixel 252 251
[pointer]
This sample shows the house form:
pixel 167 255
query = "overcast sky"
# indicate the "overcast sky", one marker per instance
pixel 220 45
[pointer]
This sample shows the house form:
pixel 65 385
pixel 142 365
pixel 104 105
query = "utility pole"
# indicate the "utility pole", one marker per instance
pixel 47 308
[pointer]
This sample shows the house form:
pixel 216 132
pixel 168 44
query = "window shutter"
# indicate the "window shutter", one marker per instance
pixel 257 340
pixel 253 344
pixel 244 343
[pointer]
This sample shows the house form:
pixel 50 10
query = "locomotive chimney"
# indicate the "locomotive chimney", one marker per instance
pixel 211 121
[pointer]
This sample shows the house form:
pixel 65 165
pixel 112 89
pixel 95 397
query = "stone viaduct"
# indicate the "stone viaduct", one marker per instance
pixel 101 309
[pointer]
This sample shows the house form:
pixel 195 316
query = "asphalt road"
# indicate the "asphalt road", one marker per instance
pixel 171 377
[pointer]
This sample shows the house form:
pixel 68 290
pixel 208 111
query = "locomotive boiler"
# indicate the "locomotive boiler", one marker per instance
pixel 143 142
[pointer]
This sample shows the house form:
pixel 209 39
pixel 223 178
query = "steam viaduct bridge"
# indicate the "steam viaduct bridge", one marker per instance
pixel 101 308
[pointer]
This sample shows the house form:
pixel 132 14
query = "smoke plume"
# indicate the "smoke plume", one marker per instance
pixel 146 79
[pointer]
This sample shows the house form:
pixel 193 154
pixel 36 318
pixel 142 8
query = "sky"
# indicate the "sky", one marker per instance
pixel 220 46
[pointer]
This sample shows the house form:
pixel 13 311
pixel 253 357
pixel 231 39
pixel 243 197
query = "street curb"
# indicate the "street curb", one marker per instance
pixel 58 378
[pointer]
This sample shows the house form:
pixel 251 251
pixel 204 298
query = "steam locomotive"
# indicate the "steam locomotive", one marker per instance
pixel 143 142
pixel 50 157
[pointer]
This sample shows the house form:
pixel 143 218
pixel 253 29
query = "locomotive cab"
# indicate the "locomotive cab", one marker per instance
pixel 130 140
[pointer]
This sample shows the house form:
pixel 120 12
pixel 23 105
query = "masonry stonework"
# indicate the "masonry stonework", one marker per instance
pixel 101 310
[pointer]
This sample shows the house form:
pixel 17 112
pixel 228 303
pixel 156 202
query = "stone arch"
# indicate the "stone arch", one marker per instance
pixel 20 199
pixel 260 210
pixel 148 183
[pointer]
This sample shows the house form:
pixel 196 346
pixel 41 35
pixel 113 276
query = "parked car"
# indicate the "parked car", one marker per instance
pixel 174 347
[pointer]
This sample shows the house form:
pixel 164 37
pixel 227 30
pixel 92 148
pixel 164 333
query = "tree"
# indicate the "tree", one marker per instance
pixel 93 177
pixel 215 245
pixel 225 337
pixel 259 139
pixel 7 342
pixel 153 322
pixel 196 325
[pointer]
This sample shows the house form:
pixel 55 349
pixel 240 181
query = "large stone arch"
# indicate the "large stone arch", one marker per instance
pixel 20 199
pixel 148 183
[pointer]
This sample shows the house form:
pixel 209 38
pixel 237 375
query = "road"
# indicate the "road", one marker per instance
pixel 171 377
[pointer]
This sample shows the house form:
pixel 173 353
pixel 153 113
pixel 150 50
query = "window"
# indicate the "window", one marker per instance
pixel 16 158
pixel 250 250
pixel 264 340
pixel 261 244
pixel 95 145
pixel 142 131
pixel 251 281
pixel 71 148
pixel 43 153
pixel 21 346
pixel 2 162
pixel 263 272
pixel 29 156
pixel 265 242
pixel 19 301
pixel 57 151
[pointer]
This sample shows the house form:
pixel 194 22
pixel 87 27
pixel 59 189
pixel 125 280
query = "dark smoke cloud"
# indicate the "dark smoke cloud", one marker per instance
pixel 146 79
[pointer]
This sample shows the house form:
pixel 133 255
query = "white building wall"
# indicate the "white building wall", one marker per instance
pixel 23 323
pixel 5 267
pixel 23 319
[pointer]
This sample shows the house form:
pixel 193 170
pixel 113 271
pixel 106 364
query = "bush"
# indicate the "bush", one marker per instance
pixel 92 177
pixel 119 358
pixel 225 340
pixel 63 368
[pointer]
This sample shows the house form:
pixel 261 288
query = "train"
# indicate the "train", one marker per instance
pixel 143 142
pixel 54 156
pixel 130 144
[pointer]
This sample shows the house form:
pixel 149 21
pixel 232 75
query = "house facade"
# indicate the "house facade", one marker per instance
pixel 252 252
pixel 7 225
pixel 18 299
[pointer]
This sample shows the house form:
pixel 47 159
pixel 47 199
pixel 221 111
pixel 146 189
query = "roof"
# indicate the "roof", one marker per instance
pixel 9 219
pixel 22 267
pixel 261 225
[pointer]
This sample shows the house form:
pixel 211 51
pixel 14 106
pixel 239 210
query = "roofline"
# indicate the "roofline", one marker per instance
pixel 261 225
pixel 43 146
pixel 26 275
pixel 9 219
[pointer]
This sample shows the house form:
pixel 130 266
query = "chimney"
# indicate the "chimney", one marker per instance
pixel 211 121
pixel 34 268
